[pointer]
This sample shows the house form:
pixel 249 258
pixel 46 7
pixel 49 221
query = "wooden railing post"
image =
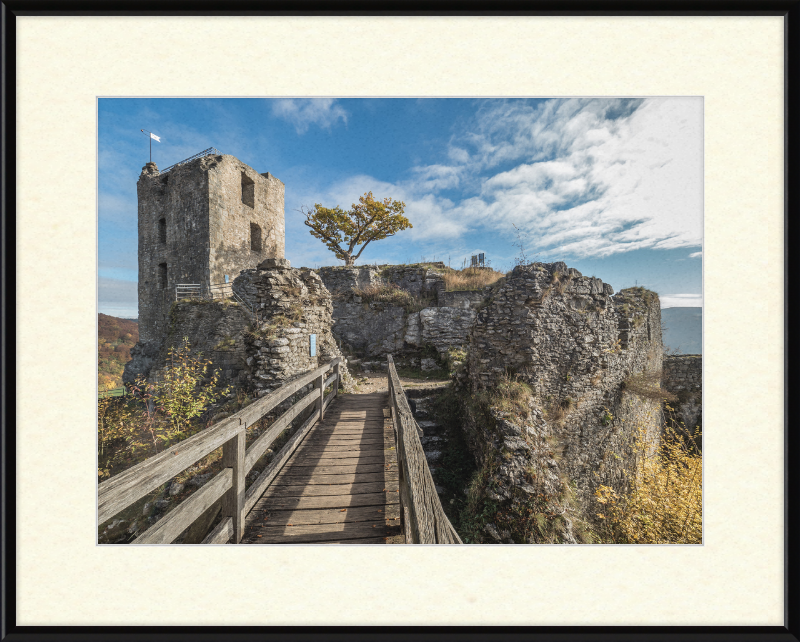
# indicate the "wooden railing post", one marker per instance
pixel 320 383
pixel 233 452
pixel 338 379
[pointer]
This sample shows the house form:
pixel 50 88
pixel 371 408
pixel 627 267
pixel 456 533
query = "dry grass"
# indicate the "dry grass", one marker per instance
pixel 470 278
pixel 391 294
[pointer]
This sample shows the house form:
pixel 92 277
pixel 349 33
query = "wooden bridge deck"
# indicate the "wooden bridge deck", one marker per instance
pixel 341 484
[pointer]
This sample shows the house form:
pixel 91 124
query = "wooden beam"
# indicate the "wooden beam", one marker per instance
pixel 165 530
pixel 221 534
pixel 271 471
pixel 233 501
pixel 260 445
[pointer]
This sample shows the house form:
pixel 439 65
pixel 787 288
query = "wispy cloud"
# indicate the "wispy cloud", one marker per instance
pixel 695 255
pixel 580 177
pixel 681 300
pixel 304 112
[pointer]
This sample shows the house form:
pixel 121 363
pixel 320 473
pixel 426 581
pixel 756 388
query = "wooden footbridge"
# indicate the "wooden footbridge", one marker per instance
pixel 354 472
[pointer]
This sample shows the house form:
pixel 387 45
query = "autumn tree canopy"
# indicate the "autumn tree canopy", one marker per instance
pixel 345 231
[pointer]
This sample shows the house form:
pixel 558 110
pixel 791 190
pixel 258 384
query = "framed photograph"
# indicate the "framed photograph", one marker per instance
pixel 584 162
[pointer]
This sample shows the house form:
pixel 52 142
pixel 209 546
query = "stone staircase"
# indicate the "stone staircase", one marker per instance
pixel 433 435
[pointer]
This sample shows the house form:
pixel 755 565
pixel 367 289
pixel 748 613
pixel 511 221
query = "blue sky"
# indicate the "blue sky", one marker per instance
pixel 613 187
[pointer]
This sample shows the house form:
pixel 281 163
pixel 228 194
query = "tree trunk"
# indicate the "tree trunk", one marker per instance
pixel 349 261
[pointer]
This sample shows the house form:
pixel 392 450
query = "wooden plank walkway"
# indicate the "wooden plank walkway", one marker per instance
pixel 340 486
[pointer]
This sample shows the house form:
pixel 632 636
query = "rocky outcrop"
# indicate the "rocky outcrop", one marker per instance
pixel 570 351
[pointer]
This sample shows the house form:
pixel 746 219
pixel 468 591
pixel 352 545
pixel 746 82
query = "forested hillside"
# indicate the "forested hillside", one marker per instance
pixel 115 338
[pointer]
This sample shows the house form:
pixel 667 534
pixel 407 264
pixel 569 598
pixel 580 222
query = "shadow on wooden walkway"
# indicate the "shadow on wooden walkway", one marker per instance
pixel 341 484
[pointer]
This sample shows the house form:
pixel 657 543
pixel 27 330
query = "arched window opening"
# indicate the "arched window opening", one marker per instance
pixel 162 231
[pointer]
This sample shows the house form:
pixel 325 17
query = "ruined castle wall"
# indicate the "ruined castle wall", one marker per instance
pixel 369 329
pixel 293 304
pixel 442 328
pixel 340 278
pixel 683 376
pixel 239 199
pixel 575 345
pixel 215 330
pixel 375 329
pixel 467 299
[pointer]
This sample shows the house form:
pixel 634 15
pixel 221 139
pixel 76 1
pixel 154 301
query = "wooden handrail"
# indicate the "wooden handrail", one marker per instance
pixel 120 491
pixel 424 520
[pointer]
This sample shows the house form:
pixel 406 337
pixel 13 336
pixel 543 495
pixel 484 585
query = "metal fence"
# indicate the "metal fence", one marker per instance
pixel 206 152
pixel 215 291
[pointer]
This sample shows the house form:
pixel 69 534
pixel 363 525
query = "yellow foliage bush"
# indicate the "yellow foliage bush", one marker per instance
pixel 665 498
pixel 157 413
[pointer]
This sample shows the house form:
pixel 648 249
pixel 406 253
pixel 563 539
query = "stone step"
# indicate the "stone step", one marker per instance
pixel 432 439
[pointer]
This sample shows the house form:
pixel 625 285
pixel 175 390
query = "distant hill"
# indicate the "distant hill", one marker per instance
pixel 115 338
pixel 683 329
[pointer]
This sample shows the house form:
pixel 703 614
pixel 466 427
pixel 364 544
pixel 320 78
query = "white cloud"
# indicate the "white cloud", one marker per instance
pixel 578 177
pixel 458 155
pixel 696 255
pixel 592 177
pixel 304 112
pixel 681 300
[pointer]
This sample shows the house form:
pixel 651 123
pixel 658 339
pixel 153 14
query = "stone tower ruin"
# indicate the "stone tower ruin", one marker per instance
pixel 202 222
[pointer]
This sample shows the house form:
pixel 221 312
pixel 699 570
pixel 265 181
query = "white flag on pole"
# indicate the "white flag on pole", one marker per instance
pixel 154 137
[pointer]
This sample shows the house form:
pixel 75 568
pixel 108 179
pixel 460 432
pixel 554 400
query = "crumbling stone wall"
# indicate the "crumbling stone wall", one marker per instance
pixel 216 330
pixel 341 278
pixel 472 299
pixel 574 344
pixel 201 221
pixel 292 304
pixel 683 376
pixel 375 329
pixel 442 328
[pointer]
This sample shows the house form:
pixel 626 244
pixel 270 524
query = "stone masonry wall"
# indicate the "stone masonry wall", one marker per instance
pixel 214 329
pixel 375 329
pixel 173 233
pixel 232 215
pixel 292 304
pixel 683 376
pixel 574 344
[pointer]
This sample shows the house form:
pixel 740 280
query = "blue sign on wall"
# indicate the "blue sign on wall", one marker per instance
pixel 312 341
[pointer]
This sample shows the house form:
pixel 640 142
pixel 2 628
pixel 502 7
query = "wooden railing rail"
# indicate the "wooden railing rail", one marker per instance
pixel 120 491
pixel 424 520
